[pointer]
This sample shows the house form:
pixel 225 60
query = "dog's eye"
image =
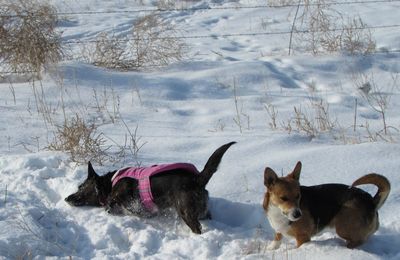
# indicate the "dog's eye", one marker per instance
pixel 284 198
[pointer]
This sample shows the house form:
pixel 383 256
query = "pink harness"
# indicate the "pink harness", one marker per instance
pixel 142 174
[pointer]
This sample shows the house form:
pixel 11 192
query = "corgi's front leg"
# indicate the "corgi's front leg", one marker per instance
pixel 301 239
pixel 276 243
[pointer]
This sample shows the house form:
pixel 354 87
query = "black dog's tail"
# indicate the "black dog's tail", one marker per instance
pixel 212 164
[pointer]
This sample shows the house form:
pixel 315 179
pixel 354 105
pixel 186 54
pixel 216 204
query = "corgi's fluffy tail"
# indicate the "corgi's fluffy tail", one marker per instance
pixel 212 164
pixel 381 182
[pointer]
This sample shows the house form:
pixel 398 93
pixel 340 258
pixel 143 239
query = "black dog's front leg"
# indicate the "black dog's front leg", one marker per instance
pixel 114 207
pixel 190 220
pixel 185 206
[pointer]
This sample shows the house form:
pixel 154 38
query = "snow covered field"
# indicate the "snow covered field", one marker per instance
pixel 226 89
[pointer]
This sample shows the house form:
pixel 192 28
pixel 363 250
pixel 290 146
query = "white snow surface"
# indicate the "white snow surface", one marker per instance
pixel 183 112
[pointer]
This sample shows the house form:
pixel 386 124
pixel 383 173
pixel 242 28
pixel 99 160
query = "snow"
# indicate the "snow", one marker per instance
pixel 183 112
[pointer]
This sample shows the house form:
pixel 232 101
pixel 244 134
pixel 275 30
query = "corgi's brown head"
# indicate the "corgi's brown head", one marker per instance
pixel 284 192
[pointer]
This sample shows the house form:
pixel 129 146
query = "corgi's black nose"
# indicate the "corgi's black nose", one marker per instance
pixel 297 213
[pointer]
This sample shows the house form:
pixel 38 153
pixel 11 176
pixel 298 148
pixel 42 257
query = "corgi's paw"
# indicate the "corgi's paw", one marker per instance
pixel 274 245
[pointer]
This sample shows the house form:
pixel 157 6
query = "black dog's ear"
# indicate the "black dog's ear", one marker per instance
pixel 296 171
pixel 270 177
pixel 91 172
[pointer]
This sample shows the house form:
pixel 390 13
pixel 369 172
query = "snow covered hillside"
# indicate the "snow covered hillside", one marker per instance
pixel 335 112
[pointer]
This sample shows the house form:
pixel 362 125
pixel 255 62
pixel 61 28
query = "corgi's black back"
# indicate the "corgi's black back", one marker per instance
pixel 326 200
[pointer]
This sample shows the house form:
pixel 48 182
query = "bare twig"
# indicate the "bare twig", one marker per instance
pixel 273 114
pixel 293 26
pixel 5 196
pixel 23 225
pixel 135 142
pixel 237 119
pixel 12 89
pixel 377 99
pixel 355 114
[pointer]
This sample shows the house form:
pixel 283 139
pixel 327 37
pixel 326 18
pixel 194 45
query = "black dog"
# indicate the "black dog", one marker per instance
pixel 178 188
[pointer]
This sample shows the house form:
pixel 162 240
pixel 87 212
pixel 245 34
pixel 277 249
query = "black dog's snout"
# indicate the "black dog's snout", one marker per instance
pixel 73 200
pixel 297 213
pixel 69 200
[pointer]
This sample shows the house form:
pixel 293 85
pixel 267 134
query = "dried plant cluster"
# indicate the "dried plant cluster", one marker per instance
pixel 152 43
pixel 80 140
pixel 28 36
pixel 319 28
pixel 378 98
pixel 311 121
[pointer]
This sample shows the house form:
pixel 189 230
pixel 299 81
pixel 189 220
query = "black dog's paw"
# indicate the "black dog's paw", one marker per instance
pixel 196 229
pixel 114 209
pixel 194 225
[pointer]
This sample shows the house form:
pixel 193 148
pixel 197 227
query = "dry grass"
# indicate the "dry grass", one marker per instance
pixel 107 104
pixel 152 43
pixel 378 97
pixel 28 39
pixel 78 136
pixel 174 4
pixel 241 119
pixel 311 121
pixel 355 38
pixel 256 245
pixel 108 52
pixel 273 115
pixel 328 30
pixel 155 42
pixel 281 2
pixel 80 140
pixel 132 145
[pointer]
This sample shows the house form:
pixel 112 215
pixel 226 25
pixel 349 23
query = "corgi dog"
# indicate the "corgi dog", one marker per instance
pixel 303 211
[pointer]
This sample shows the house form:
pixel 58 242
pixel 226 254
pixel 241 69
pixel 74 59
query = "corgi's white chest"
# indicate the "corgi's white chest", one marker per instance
pixel 279 222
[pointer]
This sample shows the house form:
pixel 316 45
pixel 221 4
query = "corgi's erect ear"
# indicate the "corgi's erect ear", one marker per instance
pixel 296 171
pixel 91 172
pixel 270 177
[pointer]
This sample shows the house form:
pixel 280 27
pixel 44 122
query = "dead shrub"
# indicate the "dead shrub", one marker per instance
pixel 274 3
pixel 166 4
pixel 153 42
pixel 377 96
pixel 109 52
pixel 175 4
pixel 28 39
pixel 273 114
pixel 80 140
pixel 320 28
pixel 356 38
pixel 311 121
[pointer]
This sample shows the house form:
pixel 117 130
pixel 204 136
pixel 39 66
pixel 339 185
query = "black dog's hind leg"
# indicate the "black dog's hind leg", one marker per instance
pixel 185 206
